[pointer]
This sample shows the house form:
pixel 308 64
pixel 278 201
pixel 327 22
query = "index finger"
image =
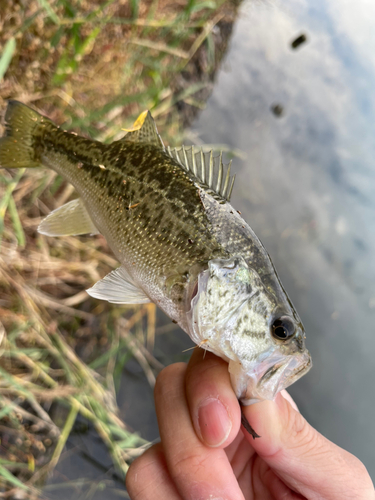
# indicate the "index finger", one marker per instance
pixel 303 458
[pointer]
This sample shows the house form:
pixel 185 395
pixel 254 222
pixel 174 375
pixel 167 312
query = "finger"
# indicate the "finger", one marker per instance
pixel 213 405
pixel 148 477
pixel 196 470
pixel 289 398
pixel 303 458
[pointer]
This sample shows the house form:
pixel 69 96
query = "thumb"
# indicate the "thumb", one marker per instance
pixel 305 460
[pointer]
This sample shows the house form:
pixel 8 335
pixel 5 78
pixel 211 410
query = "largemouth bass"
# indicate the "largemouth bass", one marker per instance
pixel 167 218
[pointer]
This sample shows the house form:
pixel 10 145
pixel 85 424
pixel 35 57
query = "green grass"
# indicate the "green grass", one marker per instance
pixel 7 203
pixel 93 60
pixel 6 56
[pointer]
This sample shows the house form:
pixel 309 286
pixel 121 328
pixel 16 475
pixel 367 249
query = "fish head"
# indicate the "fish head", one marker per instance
pixel 258 332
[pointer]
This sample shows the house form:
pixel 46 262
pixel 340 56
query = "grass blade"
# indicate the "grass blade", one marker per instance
pixel 4 203
pixel 12 479
pixel 20 235
pixel 51 14
pixel 6 56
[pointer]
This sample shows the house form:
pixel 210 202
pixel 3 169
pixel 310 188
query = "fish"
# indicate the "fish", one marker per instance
pixel 167 217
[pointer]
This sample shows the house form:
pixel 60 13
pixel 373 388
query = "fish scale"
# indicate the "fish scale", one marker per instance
pixel 169 219
pixel 165 214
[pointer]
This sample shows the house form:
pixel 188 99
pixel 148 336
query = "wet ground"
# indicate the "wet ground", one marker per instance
pixel 303 115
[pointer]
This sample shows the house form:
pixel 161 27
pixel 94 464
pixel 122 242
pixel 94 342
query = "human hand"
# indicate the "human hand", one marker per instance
pixel 205 454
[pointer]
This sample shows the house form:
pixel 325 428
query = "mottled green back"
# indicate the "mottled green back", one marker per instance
pixel 141 200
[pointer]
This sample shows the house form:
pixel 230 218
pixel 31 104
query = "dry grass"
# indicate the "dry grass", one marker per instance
pixel 96 65
pixel 92 66
pixel 46 318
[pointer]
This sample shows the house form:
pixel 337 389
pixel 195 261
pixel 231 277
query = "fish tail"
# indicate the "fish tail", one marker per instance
pixel 22 126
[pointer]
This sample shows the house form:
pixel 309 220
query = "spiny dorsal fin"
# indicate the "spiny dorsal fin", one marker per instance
pixel 207 169
pixel 144 130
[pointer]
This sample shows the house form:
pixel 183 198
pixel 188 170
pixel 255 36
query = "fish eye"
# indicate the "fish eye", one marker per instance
pixel 283 328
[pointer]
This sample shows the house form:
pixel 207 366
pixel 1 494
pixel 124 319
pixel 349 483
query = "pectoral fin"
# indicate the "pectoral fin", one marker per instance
pixel 119 288
pixel 69 220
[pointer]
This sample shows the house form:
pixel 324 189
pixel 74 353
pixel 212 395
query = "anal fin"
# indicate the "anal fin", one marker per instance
pixel 69 220
pixel 118 287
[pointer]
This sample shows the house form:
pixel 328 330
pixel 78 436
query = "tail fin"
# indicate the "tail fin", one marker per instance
pixel 17 145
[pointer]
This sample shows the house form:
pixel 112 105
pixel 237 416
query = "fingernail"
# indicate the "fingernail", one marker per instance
pixel 289 398
pixel 214 422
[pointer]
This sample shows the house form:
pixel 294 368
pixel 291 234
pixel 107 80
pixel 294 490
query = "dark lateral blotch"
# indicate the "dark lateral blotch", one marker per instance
pixel 301 39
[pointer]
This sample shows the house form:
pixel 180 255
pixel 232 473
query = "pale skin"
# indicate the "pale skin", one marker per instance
pixel 205 454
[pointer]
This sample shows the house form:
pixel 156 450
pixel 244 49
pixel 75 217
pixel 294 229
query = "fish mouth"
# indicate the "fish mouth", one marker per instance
pixel 275 375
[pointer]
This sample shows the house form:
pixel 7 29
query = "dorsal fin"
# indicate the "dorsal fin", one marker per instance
pixel 210 171
pixel 144 130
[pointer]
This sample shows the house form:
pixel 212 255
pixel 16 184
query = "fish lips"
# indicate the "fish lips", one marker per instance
pixel 275 373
